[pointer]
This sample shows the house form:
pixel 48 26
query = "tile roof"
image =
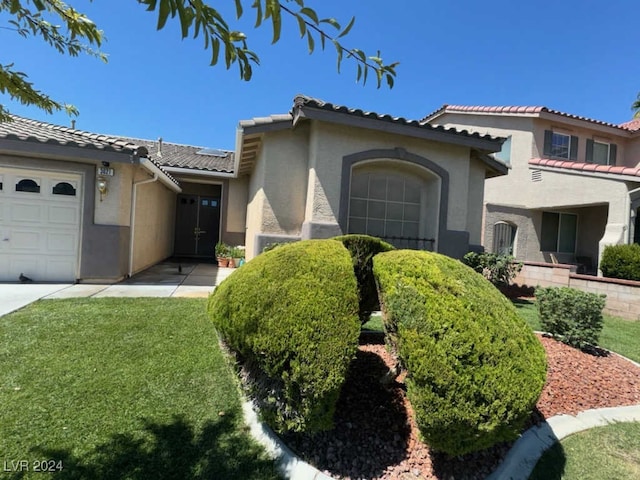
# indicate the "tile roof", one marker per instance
pixel 305 101
pixel 585 167
pixel 271 119
pixel 173 155
pixel 519 110
pixel 187 156
pixel 41 132
pixel 632 125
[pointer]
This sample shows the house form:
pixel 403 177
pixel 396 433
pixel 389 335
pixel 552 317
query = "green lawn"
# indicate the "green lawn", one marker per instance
pixel 121 389
pixel 611 452
pixel 618 335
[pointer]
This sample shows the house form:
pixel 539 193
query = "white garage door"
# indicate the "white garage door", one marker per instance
pixel 39 225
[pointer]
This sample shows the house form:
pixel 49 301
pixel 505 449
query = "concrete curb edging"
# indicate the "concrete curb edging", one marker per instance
pixel 525 453
pixel 289 464
pixel 517 465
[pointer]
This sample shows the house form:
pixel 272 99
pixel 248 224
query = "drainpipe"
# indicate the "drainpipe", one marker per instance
pixel 132 220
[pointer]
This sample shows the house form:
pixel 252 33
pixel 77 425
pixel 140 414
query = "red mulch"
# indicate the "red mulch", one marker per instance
pixel 376 438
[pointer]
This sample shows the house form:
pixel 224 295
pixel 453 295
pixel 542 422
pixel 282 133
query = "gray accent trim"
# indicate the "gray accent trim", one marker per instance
pixel 105 252
pixel 450 242
pixel 264 239
pixel 235 238
pixel 320 230
pixel 454 243
pixel 426 132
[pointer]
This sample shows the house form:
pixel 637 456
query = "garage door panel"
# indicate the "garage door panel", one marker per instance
pixel 21 240
pixel 23 212
pixel 61 242
pixel 63 214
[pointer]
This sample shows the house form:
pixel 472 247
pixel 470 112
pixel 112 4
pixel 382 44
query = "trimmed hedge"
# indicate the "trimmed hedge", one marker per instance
pixel 292 316
pixel 362 249
pixel 621 261
pixel 574 316
pixel 475 370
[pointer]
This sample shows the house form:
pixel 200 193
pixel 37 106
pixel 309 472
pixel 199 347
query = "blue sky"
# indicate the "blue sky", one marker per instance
pixel 575 56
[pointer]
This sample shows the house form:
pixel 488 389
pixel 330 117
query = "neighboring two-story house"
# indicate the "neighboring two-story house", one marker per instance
pixel 573 185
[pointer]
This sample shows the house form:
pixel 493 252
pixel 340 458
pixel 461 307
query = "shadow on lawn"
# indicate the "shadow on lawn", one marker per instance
pixel 174 450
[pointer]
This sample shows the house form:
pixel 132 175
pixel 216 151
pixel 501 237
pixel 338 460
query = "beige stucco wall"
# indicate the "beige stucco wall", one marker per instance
pixel 605 134
pixel 236 210
pixel 153 230
pixel 115 207
pixel 330 143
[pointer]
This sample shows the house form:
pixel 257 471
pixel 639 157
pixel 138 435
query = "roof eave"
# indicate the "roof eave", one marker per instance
pixel 425 132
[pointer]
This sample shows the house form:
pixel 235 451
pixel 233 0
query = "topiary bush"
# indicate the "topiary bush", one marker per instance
pixel 291 315
pixel 574 316
pixel 498 269
pixel 475 370
pixel 362 249
pixel 621 261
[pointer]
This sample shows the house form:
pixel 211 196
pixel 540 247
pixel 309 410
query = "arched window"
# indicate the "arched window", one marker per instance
pixel 399 205
pixel 64 188
pixel 504 235
pixel 27 185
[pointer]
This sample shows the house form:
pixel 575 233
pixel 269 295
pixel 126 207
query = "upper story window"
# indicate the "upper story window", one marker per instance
pixel 505 152
pixel 602 153
pixel 560 145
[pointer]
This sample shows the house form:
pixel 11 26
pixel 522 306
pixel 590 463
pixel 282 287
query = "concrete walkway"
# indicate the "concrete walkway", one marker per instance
pixel 171 278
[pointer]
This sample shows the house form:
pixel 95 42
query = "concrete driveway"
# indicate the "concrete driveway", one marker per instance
pixel 16 295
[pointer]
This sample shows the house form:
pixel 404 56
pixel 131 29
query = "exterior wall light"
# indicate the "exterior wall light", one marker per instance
pixel 102 186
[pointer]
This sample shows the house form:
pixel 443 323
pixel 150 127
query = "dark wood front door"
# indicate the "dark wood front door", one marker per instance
pixel 197 225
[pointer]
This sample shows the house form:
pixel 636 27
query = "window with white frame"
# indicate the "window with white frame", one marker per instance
pixel 559 232
pixel 560 145
pixel 600 152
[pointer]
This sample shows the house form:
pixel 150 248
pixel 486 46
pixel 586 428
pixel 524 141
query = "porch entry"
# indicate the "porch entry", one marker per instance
pixel 197 225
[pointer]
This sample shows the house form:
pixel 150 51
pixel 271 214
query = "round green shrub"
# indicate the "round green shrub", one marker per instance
pixel 475 370
pixel 621 261
pixel 292 316
pixel 362 249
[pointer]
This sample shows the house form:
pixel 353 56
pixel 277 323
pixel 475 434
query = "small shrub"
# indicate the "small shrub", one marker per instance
pixel 621 261
pixel 475 369
pixel 575 317
pixel 498 269
pixel 291 316
pixel 362 249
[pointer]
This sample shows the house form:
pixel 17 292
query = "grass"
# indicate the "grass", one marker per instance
pixel 611 452
pixel 618 335
pixel 374 323
pixel 121 388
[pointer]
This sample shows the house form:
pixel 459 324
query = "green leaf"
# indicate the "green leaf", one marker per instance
pixel 331 21
pixel 239 10
pixel 302 25
pixel 389 80
pixel 347 29
pixel 163 13
pixel 339 53
pixel 215 51
pixel 310 13
pixel 310 42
